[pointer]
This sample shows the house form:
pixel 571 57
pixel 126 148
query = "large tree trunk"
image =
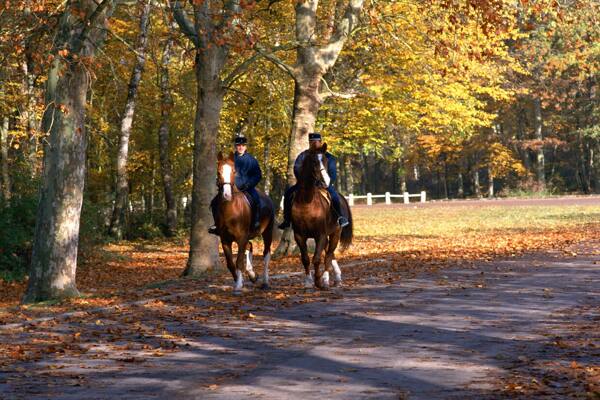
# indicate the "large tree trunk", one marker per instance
pixel 6 191
pixel 122 188
pixel 312 63
pixel 54 258
pixel 163 140
pixel 306 108
pixel 539 136
pixel 204 254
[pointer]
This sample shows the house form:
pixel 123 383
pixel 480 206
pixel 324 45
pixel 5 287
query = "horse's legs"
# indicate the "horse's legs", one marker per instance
pixel 301 241
pixel 330 262
pixel 239 265
pixel 229 258
pixel 249 267
pixel 267 236
pixel 321 278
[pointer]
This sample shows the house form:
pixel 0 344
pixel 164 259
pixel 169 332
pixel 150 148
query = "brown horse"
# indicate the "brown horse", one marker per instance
pixel 234 219
pixel 312 217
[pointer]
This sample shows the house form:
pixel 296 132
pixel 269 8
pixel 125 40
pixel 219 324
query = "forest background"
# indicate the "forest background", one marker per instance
pixel 114 110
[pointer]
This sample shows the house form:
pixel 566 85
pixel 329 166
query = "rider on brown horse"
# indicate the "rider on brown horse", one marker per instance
pixel 315 143
pixel 247 176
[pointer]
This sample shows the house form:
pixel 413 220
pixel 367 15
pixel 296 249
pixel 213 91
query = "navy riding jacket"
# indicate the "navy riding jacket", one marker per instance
pixel 247 172
pixel 331 165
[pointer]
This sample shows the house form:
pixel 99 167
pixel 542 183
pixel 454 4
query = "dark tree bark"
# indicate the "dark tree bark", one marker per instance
pixel 54 257
pixel 163 140
pixel 122 188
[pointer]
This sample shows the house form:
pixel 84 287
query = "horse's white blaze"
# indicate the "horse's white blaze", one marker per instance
pixel 227 182
pixel 267 259
pixel 325 279
pixel 308 281
pixel 324 173
pixel 337 272
pixel 239 282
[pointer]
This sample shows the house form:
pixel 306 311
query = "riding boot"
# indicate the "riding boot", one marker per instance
pixel 214 208
pixel 342 220
pixel 255 218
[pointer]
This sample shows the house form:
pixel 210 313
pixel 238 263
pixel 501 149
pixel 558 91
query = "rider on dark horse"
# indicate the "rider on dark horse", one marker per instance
pixel 247 176
pixel 314 140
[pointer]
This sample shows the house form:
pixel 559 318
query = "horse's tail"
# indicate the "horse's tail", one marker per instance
pixel 348 230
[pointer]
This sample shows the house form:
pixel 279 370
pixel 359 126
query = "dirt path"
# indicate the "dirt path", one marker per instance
pixel 460 333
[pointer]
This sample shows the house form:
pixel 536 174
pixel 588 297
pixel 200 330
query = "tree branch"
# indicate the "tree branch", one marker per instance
pixel 328 55
pixel 277 61
pixel 186 26
pixel 331 93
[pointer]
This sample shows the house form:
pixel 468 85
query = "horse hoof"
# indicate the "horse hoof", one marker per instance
pixel 253 278
pixel 265 286
pixel 337 284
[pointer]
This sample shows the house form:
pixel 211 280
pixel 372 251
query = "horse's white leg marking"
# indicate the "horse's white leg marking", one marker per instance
pixel 249 262
pixel 337 272
pixel 308 280
pixel 239 282
pixel 325 279
pixel 267 259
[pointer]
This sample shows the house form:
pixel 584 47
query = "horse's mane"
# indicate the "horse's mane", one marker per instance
pixel 307 177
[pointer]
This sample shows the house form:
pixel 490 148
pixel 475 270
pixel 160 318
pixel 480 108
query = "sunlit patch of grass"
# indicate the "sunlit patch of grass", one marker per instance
pixel 450 222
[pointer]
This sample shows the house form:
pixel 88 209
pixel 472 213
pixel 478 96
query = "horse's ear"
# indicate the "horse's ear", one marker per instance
pixel 324 148
pixel 220 156
pixel 231 156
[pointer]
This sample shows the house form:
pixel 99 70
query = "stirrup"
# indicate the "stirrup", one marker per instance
pixel 343 222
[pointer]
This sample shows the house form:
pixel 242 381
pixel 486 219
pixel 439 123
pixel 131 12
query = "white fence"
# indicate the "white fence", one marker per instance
pixel 387 196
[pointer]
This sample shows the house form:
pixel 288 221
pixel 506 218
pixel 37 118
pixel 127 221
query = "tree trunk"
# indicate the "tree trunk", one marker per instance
pixel 267 159
pixel 306 107
pixel 349 175
pixel 524 152
pixel 312 63
pixel 54 257
pixel 490 185
pixel 476 184
pixel 461 185
pixel 163 140
pixel 6 190
pixel 539 136
pixel 204 254
pixel 122 189
pixel 28 114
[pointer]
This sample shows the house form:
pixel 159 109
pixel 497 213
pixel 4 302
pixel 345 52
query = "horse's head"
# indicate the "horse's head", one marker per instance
pixel 314 167
pixel 225 175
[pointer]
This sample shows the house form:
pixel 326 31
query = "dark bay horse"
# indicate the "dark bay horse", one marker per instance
pixel 312 217
pixel 234 219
